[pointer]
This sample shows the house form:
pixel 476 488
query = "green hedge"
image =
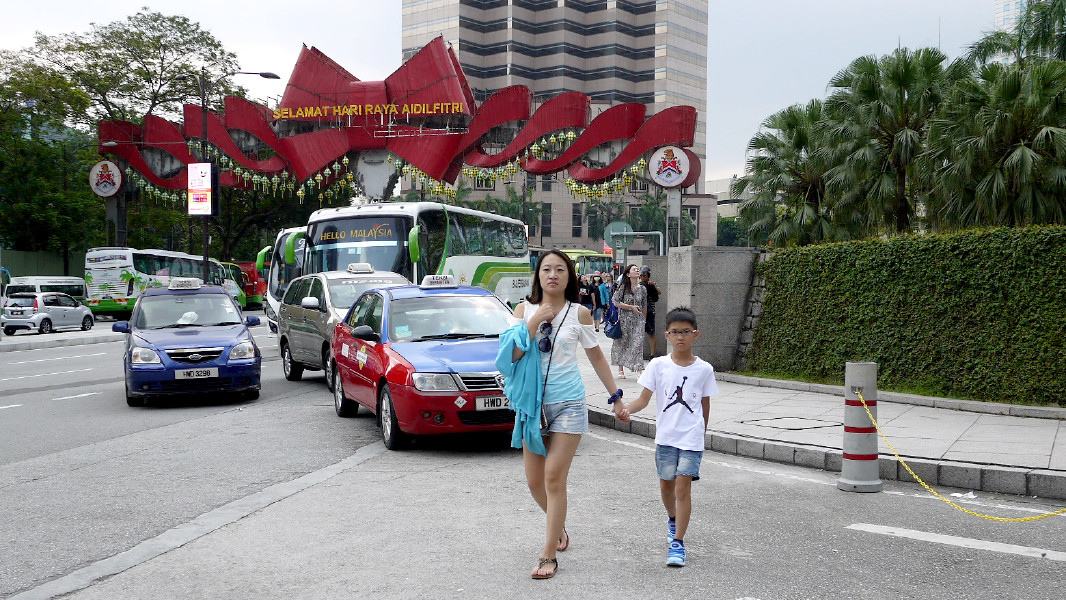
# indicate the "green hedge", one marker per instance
pixel 978 315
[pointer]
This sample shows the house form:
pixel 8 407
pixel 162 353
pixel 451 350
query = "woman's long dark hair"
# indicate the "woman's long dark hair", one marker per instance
pixel 627 285
pixel 570 293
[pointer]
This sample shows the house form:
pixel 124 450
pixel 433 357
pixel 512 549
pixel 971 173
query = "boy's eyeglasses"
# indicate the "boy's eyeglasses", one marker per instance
pixel 544 344
pixel 681 333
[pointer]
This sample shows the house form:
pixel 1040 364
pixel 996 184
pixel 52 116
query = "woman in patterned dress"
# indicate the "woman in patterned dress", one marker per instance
pixel 632 301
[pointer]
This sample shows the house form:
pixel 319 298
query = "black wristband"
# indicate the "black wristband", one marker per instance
pixel 615 397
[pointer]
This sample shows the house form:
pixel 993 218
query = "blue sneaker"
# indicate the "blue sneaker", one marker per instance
pixel 671 530
pixel 675 556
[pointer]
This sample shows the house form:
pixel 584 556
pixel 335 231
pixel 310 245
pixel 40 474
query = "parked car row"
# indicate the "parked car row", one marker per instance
pixel 420 358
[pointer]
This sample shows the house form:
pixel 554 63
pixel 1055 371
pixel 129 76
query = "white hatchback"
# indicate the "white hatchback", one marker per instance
pixel 45 312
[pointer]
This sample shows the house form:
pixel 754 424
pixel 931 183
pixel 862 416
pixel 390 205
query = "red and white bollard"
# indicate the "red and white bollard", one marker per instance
pixel 859 470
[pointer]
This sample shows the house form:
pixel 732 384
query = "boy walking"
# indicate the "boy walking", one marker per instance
pixel 683 385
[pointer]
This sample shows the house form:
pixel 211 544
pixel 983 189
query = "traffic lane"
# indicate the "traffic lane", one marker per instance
pixel 71 507
pixel 436 521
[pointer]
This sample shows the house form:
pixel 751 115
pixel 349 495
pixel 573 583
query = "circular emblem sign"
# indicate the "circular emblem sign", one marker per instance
pixel 668 166
pixel 105 178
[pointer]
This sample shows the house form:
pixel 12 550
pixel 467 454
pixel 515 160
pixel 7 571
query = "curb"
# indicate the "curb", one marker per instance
pixel 12 343
pixel 992 408
pixel 1043 483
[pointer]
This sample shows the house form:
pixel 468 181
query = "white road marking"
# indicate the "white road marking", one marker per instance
pixel 78 396
pixel 44 374
pixel 977 503
pixel 952 540
pixel 25 362
pixel 11 406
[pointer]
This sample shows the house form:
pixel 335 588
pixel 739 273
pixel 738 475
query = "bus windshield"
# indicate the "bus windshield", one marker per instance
pixel 378 240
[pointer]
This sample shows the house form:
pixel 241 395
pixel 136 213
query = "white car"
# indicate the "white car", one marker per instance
pixel 312 307
pixel 46 312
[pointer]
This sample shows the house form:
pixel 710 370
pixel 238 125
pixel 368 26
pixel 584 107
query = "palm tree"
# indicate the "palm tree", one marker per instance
pixel 786 179
pixel 1039 33
pixel 997 152
pixel 878 115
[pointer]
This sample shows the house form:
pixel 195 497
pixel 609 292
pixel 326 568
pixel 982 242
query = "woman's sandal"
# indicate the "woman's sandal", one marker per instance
pixel 540 565
pixel 564 542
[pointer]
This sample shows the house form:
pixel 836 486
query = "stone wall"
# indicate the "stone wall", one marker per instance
pixel 756 295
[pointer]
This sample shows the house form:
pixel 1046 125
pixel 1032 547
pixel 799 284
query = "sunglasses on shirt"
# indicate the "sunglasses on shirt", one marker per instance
pixel 544 344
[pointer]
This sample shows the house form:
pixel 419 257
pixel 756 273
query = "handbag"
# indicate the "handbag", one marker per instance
pixel 613 330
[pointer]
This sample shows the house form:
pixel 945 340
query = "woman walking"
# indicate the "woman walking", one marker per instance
pixel 538 357
pixel 632 302
pixel 597 301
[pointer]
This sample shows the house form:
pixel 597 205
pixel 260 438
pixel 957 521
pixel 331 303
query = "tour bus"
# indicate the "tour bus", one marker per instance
pixel 254 283
pixel 416 239
pixel 587 262
pixel 235 274
pixel 116 276
pixel 279 273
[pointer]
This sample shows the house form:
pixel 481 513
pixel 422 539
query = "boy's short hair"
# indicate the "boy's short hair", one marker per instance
pixel 681 314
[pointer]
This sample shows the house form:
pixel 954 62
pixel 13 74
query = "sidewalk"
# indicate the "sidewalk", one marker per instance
pixel 981 446
pixel 978 446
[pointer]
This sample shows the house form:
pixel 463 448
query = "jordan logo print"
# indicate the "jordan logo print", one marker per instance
pixel 678 396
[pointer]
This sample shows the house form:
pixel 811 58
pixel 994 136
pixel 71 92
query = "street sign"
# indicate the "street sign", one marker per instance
pixel 200 189
pixel 105 178
pixel 618 242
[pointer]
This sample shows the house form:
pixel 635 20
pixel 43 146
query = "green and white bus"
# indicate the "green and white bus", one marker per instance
pixel 416 239
pixel 116 276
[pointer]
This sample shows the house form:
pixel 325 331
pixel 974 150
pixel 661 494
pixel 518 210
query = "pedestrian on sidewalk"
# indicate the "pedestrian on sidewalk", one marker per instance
pixel 632 302
pixel 550 410
pixel 597 301
pixel 683 385
pixel 606 292
pixel 653 292
pixel 584 293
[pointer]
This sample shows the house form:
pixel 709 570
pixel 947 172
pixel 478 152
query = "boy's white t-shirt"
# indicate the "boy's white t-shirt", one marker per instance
pixel 679 393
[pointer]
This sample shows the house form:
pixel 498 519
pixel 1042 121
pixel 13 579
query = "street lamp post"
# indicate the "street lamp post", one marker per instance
pixel 204 157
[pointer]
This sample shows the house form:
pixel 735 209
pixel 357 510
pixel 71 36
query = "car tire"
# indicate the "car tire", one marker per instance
pixel 251 395
pixel 293 371
pixel 86 323
pixel 134 400
pixel 390 429
pixel 325 368
pixel 45 328
pixel 345 408
pixel 9 331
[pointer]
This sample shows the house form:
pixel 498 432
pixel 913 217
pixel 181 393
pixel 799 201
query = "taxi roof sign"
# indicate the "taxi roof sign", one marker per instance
pixel 362 267
pixel 437 282
pixel 185 283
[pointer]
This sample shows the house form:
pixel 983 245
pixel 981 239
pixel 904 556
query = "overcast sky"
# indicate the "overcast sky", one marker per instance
pixel 764 55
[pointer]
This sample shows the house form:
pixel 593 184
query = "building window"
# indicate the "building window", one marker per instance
pixel 546 184
pixel 484 182
pixel 577 229
pixel 546 219
pixel 638 185
pixel 693 213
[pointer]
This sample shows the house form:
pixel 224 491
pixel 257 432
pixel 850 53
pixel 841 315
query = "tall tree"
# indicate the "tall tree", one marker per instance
pixel 997 152
pixel 878 115
pixel 139 66
pixel 1039 33
pixel 788 204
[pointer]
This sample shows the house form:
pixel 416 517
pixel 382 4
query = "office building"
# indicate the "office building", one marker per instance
pixel 614 51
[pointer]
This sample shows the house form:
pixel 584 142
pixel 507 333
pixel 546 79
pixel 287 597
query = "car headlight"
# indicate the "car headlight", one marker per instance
pixel 242 351
pixel 143 356
pixel 434 382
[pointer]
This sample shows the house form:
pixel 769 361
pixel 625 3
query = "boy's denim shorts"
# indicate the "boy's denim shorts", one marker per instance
pixel 568 416
pixel 671 462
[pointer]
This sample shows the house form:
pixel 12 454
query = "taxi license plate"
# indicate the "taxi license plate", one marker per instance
pixel 493 402
pixel 196 373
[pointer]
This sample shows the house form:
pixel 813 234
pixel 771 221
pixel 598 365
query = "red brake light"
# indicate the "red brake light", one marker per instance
pixel 35 306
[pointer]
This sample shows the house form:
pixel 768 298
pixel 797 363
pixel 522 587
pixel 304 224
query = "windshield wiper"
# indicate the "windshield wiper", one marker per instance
pixel 454 336
pixel 222 323
pixel 178 325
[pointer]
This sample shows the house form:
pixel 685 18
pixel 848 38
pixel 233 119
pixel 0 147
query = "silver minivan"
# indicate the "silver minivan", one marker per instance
pixel 45 313
pixel 313 305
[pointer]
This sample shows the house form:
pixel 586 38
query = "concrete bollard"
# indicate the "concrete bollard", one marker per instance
pixel 859 471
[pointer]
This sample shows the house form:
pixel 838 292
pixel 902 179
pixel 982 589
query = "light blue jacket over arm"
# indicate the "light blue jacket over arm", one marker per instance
pixel 523 386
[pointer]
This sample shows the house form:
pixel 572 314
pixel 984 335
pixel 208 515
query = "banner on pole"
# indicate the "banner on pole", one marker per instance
pixel 200 189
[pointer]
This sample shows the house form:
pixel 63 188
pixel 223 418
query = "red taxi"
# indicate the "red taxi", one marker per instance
pixel 421 358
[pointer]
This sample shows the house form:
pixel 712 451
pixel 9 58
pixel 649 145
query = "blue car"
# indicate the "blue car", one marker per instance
pixel 422 358
pixel 188 338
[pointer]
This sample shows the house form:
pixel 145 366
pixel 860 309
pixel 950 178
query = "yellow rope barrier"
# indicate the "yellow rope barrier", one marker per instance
pixel 934 492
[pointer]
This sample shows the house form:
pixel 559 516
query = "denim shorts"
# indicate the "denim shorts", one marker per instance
pixel 568 416
pixel 671 462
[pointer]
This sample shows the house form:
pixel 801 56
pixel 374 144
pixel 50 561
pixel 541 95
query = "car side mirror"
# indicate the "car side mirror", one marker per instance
pixel 310 302
pixel 365 333
pixel 120 327
pixel 251 320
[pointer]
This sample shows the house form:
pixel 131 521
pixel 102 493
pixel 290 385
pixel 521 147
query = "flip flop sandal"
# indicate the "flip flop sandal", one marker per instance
pixel 540 564
pixel 564 542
